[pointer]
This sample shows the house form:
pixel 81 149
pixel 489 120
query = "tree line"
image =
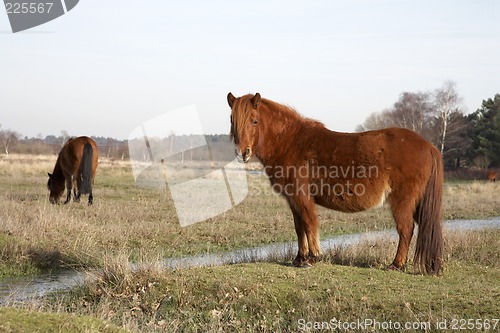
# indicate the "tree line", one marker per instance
pixel 465 140
pixel 13 142
pixel 189 146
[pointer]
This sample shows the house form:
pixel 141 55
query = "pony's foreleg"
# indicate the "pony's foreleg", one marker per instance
pixel 302 256
pixel 403 216
pixel 69 187
pixel 307 228
pixel 311 227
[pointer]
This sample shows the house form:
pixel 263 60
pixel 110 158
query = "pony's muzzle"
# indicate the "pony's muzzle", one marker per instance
pixel 243 157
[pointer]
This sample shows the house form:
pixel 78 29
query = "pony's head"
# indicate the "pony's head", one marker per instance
pixel 56 189
pixel 244 124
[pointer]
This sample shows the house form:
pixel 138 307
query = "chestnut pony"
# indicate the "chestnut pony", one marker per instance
pixel 75 166
pixel 350 172
pixel 492 176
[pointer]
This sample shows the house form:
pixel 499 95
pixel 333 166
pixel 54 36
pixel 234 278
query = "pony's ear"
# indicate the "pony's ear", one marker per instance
pixel 256 100
pixel 49 174
pixel 230 100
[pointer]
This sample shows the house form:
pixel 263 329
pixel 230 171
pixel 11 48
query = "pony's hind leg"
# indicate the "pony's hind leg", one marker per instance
pixel 76 195
pixel 91 197
pixel 77 192
pixel 403 216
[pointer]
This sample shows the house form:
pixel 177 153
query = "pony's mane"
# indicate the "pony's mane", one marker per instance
pixel 282 109
pixel 241 114
pixel 285 111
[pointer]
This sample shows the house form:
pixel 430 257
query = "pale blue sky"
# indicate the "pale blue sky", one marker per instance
pixel 108 66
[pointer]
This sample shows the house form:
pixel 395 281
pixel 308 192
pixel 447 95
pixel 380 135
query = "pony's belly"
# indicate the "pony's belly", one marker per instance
pixel 354 199
pixel 345 206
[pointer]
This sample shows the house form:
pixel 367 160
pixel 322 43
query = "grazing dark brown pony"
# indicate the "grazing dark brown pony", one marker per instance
pixel 492 176
pixel 75 166
pixel 349 172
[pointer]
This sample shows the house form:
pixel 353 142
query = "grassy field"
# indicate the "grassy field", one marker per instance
pixel 347 287
pixel 127 223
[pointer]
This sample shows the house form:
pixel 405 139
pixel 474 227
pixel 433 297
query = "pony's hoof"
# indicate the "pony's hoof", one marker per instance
pixel 393 267
pixel 314 259
pixel 304 264
pixel 301 263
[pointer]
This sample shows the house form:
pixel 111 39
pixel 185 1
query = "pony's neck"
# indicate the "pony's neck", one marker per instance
pixel 58 172
pixel 280 127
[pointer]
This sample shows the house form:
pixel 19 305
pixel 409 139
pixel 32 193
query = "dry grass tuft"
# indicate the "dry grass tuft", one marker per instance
pixel 479 247
pixel 471 200
pixel 370 254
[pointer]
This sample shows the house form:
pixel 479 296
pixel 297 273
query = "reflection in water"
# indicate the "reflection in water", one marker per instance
pixel 26 289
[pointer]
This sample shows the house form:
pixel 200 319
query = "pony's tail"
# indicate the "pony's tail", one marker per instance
pixel 86 165
pixel 429 248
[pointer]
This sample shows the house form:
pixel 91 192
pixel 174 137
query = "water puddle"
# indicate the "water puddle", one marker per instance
pixel 26 289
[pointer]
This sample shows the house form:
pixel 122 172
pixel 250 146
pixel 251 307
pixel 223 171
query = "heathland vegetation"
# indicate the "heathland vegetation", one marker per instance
pixel 130 224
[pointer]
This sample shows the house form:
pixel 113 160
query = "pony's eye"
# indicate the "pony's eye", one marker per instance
pixel 254 122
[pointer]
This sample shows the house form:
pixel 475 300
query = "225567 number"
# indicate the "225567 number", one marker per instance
pixel 28 7
pixel 474 324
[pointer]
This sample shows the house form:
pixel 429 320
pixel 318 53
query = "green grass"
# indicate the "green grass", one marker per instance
pixel 274 297
pixel 22 321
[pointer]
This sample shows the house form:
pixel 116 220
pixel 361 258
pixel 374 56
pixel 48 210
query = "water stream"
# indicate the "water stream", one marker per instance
pixel 26 289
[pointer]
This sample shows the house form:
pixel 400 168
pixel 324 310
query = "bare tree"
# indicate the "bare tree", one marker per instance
pixel 481 161
pixel 8 138
pixel 413 111
pixel 437 116
pixel 376 120
pixel 447 101
pixel 65 137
